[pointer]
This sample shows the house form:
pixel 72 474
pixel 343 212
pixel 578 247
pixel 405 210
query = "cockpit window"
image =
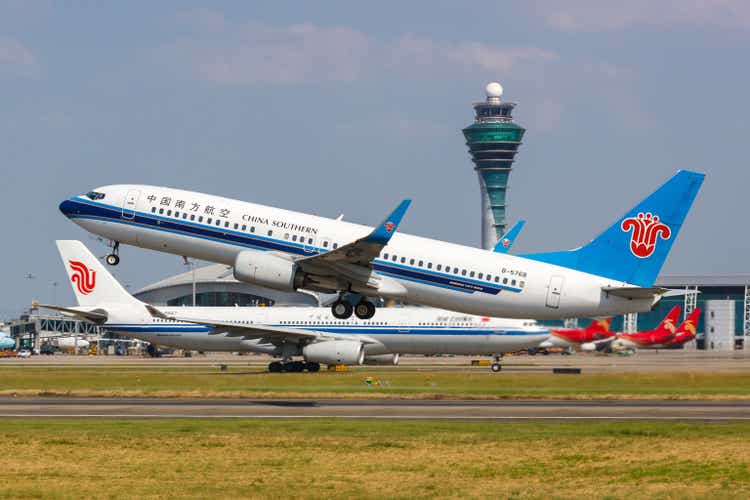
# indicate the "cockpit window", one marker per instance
pixel 93 195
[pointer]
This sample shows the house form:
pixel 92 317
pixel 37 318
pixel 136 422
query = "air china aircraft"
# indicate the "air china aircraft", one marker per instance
pixel 665 335
pixel 275 248
pixel 287 331
pixel 587 338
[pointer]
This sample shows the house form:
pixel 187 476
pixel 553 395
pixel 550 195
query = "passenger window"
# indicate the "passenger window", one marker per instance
pixel 471 274
pixel 294 237
pixel 270 232
pixel 184 215
pixel 394 258
pixel 153 210
pixel 463 272
pixel 309 241
pixel 218 222
pixel 505 281
pixel 411 262
pixel 439 267
pixel 522 284
pixel 192 217
pixel 226 224
pixel 455 270
pixel 161 210
pixel 335 246
pixel 429 265
pixel 513 283
pixel 286 236
pixel 325 243
pixel 421 264
pixel 497 279
pixel 403 260
pixel 385 256
pixel 480 276
pixel 236 226
pixel 244 227
pixel 252 229
pixel 200 218
pixel 209 220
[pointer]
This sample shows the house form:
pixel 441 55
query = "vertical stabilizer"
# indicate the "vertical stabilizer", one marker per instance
pixel 92 283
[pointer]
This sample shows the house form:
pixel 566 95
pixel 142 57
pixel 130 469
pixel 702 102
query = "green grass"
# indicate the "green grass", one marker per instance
pixel 394 382
pixel 342 458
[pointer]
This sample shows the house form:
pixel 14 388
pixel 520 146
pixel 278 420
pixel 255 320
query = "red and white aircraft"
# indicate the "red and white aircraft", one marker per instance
pixel 658 338
pixel 587 338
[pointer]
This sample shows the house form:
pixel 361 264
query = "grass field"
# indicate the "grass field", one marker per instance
pixel 324 458
pixel 395 382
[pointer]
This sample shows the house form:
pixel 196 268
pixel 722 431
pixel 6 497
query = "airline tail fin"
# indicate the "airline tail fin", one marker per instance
pixel 92 283
pixel 635 247
pixel 690 325
pixel 599 325
pixel 506 241
pixel 669 323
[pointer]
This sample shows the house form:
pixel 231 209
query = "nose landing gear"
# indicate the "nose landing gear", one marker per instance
pixel 114 258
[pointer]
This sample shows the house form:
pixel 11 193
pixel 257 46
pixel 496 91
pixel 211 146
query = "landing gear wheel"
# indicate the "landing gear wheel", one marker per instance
pixel 312 367
pixel 496 367
pixel 275 367
pixel 112 259
pixel 295 366
pixel 364 309
pixel 342 309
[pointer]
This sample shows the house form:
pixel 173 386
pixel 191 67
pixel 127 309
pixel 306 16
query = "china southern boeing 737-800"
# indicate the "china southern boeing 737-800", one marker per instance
pixel 287 331
pixel 613 274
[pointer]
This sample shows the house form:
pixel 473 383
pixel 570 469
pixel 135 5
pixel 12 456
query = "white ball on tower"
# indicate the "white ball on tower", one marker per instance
pixel 494 90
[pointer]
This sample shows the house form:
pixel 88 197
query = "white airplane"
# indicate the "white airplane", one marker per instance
pixel 275 248
pixel 70 343
pixel 287 331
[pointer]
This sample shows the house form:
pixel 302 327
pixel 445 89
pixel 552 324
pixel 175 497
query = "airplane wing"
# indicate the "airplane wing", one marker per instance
pixel 254 331
pixel 95 316
pixel 635 292
pixel 352 261
pixel 506 241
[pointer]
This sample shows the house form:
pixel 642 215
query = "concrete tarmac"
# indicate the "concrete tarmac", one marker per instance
pixel 460 410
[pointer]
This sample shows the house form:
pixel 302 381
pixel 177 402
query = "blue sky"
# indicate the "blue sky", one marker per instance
pixel 347 107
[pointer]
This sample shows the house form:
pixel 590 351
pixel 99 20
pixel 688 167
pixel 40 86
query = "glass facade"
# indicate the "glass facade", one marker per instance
pixel 221 299
pixel 493 146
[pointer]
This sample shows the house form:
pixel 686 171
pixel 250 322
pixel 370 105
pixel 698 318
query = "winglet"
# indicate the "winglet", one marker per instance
pixel 506 241
pixel 383 233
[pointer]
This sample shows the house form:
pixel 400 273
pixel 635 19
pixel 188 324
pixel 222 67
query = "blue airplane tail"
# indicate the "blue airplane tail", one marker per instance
pixel 635 247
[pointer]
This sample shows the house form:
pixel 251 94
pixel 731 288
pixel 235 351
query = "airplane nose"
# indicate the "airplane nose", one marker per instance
pixel 67 207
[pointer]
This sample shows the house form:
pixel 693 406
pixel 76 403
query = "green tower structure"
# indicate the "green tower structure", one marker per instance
pixel 493 141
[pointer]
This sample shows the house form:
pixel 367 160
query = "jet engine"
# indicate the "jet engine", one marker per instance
pixel 335 352
pixel 268 270
pixel 382 359
pixel 588 347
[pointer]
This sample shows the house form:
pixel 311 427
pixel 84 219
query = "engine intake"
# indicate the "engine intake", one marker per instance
pixel 335 352
pixel 267 270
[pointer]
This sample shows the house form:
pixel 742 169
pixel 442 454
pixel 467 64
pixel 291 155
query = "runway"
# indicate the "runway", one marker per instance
pixel 459 410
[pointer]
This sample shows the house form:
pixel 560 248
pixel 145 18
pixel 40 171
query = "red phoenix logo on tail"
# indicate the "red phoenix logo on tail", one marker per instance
pixel 83 277
pixel 646 228
pixel 389 226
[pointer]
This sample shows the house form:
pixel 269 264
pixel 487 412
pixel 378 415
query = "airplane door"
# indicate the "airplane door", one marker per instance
pixel 130 203
pixel 554 290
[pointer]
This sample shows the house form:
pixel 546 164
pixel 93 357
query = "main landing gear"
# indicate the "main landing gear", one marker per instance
pixel 343 309
pixel 293 366
pixel 114 258
pixel 497 366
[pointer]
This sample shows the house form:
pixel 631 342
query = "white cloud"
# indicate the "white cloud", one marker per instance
pixel 255 53
pixel 595 15
pixel 17 61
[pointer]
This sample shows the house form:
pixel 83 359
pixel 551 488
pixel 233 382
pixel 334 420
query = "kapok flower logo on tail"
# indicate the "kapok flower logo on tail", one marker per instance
pixel 646 228
pixel 83 277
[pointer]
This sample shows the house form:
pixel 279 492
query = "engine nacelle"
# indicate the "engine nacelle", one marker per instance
pixel 335 352
pixel 588 347
pixel 382 359
pixel 267 270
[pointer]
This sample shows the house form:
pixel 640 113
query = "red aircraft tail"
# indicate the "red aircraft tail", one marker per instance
pixel 690 325
pixel 599 325
pixel 669 323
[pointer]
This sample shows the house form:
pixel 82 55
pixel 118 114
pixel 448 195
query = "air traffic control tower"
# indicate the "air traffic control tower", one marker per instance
pixel 493 141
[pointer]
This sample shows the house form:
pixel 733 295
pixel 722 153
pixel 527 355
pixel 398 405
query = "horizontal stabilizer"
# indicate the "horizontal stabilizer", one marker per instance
pixel 635 292
pixel 95 316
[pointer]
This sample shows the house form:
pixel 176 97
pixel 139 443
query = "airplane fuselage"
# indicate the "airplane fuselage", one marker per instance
pixel 426 271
